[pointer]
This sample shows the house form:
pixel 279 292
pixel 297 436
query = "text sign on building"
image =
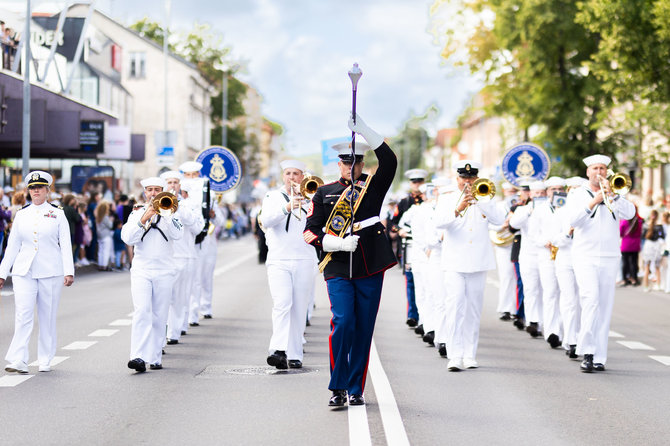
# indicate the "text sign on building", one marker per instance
pixel 92 136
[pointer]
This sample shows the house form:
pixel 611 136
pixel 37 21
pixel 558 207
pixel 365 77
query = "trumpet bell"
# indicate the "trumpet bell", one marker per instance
pixel 165 204
pixel 621 183
pixel 483 190
pixel 309 185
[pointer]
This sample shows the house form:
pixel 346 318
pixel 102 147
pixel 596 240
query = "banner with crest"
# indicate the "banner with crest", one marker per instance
pixel 221 166
pixel 525 162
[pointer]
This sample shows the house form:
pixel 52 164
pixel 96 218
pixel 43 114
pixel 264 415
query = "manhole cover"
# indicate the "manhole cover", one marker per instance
pixel 218 370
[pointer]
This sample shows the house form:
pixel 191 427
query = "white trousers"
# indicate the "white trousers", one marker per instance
pixel 465 296
pixel 596 280
pixel 569 305
pixel 438 296
pixel 28 292
pixel 196 291
pixel 151 291
pixel 551 312
pixel 207 282
pixel 532 290
pixel 178 311
pixel 507 279
pixel 291 285
pixel 105 251
pixel 422 295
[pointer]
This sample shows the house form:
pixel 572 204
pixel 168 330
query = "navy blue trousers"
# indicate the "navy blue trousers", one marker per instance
pixel 354 304
pixel 519 293
pixel 412 310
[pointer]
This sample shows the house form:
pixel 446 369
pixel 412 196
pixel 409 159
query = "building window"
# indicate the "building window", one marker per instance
pixel 137 65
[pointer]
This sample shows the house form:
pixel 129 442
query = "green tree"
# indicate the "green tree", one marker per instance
pixel 152 31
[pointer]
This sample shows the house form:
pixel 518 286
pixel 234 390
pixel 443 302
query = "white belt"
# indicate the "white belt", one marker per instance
pixel 366 223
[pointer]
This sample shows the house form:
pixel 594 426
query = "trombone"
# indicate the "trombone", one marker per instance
pixel 306 189
pixel 482 189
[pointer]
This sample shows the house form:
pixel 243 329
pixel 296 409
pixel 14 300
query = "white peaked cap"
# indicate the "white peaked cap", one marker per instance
pixel 597 159
pixel 554 181
pixel 153 181
pixel 416 174
pixel 575 181
pixel 190 166
pixel 38 178
pixel 537 185
pixel 293 164
pixel 344 148
pixel 171 174
pixel 462 163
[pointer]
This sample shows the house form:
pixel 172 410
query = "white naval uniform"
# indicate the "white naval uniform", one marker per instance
pixel 151 279
pixel 190 215
pixel 433 245
pixel 467 255
pixel 523 220
pixel 506 271
pixel 39 253
pixel 596 254
pixel 292 269
pixel 567 284
pixel 548 226
pixel 416 257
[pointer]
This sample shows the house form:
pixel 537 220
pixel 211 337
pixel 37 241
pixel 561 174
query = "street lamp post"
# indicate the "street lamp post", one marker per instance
pixel 25 143
pixel 224 108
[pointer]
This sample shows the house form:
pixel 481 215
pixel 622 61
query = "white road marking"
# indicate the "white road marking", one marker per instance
pixel 634 345
pixel 57 360
pixel 131 314
pixel 79 345
pixel 614 334
pixel 6 293
pixel 231 265
pixel 394 429
pixel 121 322
pixel 13 380
pixel 359 431
pixel 665 360
pixel 103 332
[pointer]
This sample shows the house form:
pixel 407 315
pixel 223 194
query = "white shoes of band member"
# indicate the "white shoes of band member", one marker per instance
pixel 455 364
pixel 18 367
pixel 470 363
pixel 44 368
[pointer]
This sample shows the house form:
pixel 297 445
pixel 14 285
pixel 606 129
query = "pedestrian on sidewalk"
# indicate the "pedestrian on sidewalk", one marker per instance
pixel 652 251
pixel 631 233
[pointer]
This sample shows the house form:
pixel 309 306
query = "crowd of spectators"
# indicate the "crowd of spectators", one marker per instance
pixel 9 42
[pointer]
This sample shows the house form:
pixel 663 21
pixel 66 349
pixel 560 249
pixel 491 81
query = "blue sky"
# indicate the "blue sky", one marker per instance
pixel 298 53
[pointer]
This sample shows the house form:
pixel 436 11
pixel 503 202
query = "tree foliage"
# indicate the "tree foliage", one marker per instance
pixel 412 141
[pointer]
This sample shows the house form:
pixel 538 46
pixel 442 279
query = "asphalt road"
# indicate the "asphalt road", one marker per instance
pixel 217 389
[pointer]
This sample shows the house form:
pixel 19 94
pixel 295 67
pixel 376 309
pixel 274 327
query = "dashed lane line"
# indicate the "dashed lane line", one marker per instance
pixel 13 380
pixel 57 360
pixel 121 323
pixel 635 345
pixel 79 345
pixel 614 334
pixel 6 293
pixel 103 333
pixel 665 360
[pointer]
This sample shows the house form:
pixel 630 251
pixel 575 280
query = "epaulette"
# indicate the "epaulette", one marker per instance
pixel 26 205
pixel 138 206
pixel 56 206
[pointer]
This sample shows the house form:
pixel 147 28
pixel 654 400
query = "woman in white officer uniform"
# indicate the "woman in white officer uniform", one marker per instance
pixel 151 276
pixel 39 253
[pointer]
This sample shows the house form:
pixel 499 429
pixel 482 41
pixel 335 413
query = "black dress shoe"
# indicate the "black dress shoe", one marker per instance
pixel 429 338
pixel 156 366
pixel 308 323
pixel 587 364
pixel 138 365
pixel 356 400
pixel 532 329
pixel 419 330
pixel 194 324
pixel 520 324
pixel 207 316
pixel 172 341
pixel 442 350
pixel 554 341
pixel 411 322
pixel 183 333
pixel 506 316
pixel 338 399
pixel 598 367
pixel 294 364
pixel 278 359
pixel 572 353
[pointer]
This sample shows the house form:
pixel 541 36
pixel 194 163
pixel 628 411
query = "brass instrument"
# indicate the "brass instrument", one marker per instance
pixel 619 183
pixel 502 237
pixel 554 251
pixel 294 192
pixel 165 204
pixel 482 190
pixel 309 185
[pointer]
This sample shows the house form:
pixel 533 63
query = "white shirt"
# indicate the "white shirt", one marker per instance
pixel 562 239
pixel 39 244
pixel 154 252
pixel 466 247
pixel 524 220
pixel 548 226
pixel 596 231
pixel 283 243
pixel 189 215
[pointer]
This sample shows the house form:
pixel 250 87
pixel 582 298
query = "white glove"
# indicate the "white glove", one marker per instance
pixel 373 138
pixel 332 243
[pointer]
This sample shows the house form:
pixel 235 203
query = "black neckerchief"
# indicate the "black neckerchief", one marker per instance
pixel 288 218
pixel 593 214
pixel 154 225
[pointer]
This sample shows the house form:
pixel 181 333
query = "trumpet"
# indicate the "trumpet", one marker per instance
pixel 619 183
pixel 482 190
pixel 165 204
pixel 309 185
pixel 295 192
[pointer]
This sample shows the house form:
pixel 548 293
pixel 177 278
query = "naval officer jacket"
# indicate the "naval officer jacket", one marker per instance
pixel 373 253
pixel 39 244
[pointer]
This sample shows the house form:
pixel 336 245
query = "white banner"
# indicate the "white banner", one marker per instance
pixel 117 143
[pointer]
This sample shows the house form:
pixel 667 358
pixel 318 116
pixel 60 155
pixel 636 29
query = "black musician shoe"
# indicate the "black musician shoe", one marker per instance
pixel 442 350
pixel 411 322
pixel 419 330
pixel 194 324
pixel 156 366
pixel 138 365
pixel 207 316
pixel 532 329
pixel 183 333
pixel 278 359
pixel 294 364
pixel 429 338
pixel 598 367
pixel 172 341
pixel 356 400
pixel 554 341
pixel 506 316
pixel 338 399
pixel 587 364
pixel 572 353
pixel 520 324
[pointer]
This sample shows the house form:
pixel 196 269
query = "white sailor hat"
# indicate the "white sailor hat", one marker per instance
pixel 344 149
pixel 38 178
pixel 507 186
pixel 441 181
pixel 153 181
pixel 575 181
pixel 537 185
pixel 554 181
pixel 188 185
pixel 171 174
pixel 416 174
pixel 597 159
pixel 467 168
pixel 293 164
pixel 190 166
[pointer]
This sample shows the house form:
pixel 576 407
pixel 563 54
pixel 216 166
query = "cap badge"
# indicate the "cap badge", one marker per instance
pixel 35 177
pixel 468 167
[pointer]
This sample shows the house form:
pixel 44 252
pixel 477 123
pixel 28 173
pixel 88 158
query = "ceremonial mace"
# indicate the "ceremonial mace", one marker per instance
pixel 354 74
